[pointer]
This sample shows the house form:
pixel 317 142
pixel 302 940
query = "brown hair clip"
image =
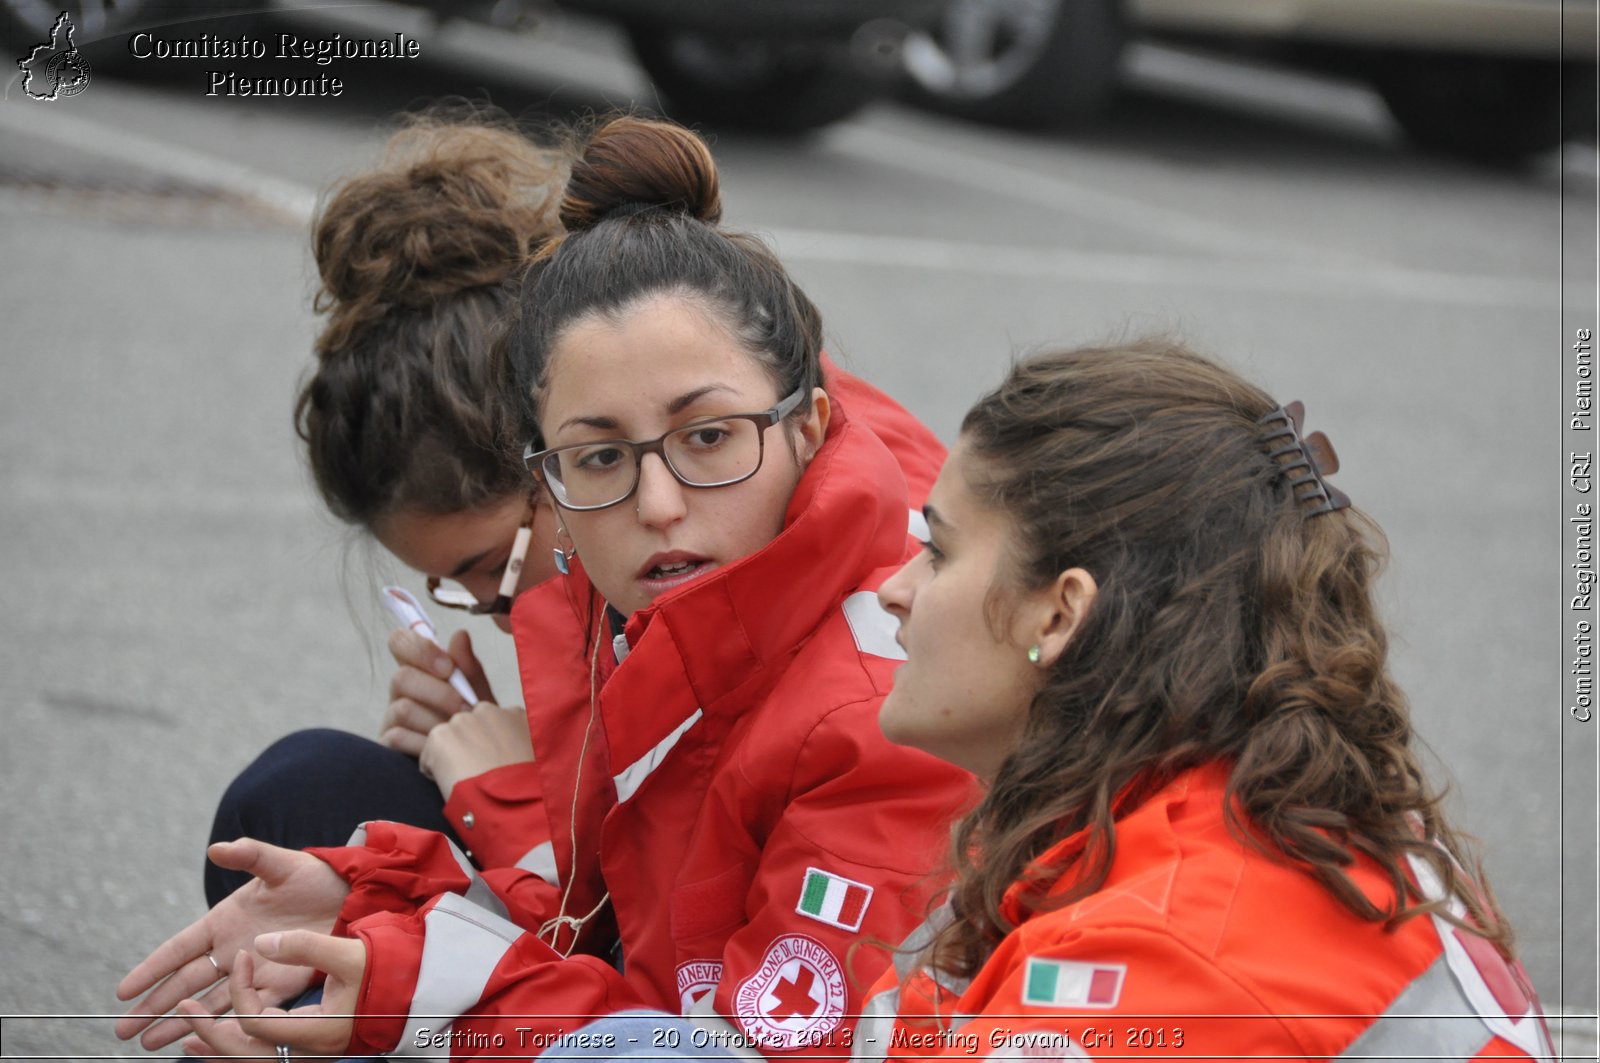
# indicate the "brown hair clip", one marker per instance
pixel 1304 461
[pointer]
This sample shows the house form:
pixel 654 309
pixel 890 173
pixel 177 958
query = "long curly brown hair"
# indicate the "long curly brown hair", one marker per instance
pixel 1230 626
pixel 408 407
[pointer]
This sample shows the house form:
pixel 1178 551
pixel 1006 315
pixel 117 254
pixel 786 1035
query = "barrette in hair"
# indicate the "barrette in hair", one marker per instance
pixel 1304 460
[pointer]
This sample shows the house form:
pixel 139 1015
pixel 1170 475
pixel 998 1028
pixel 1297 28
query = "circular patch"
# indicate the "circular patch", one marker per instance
pixel 695 980
pixel 795 998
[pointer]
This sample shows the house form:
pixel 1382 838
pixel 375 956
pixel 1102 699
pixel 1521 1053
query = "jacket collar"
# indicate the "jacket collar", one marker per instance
pixel 733 629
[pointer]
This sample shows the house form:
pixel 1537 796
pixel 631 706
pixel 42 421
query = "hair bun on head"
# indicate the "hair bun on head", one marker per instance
pixel 632 165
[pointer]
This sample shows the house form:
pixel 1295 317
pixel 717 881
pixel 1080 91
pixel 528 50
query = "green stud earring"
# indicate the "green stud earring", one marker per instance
pixel 1033 654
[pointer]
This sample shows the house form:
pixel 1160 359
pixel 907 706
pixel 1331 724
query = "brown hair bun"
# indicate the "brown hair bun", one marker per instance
pixel 632 161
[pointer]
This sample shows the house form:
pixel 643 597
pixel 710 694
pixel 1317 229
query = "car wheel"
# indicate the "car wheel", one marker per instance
pixel 1018 62
pixel 1487 108
pixel 775 86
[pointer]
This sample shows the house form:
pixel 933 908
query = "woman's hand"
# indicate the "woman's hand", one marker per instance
pixel 321 1029
pixel 420 694
pixel 471 743
pixel 291 891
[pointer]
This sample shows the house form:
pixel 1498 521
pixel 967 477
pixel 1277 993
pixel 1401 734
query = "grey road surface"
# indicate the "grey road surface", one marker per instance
pixel 176 599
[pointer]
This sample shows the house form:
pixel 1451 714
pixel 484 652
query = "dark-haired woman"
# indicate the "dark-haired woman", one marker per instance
pixel 411 437
pixel 408 438
pixel 1144 616
pixel 703 684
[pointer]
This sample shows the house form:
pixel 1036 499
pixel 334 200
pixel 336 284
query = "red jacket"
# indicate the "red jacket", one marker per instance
pixel 1199 947
pixel 733 793
pixel 499 814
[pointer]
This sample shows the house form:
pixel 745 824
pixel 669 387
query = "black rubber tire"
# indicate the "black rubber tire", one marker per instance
pixel 763 85
pixel 1068 73
pixel 1487 108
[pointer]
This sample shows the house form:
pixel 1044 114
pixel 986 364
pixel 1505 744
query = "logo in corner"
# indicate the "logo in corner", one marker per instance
pixel 795 998
pixel 55 69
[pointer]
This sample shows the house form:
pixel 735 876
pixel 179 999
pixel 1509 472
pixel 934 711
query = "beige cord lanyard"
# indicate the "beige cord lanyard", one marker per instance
pixel 553 927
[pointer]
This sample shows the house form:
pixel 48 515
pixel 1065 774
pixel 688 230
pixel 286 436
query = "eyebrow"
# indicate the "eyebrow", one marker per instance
pixel 934 520
pixel 676 406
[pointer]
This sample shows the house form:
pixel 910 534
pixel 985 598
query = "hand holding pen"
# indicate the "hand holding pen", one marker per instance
pixel 432 684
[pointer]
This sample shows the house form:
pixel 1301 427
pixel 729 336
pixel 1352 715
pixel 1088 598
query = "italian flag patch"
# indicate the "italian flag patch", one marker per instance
pixel 1066 984
pixel 831 899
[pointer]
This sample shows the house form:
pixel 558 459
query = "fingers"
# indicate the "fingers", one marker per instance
pixel 422 716
pixel 342 958
pixel 158 1031
pixel 471 667
pixel 411 650
pixel 270 863
pixel 214 1039
pixel 186 945
pixel 403 741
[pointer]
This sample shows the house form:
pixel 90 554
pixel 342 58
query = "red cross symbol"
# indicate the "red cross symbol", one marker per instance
pixel 794 998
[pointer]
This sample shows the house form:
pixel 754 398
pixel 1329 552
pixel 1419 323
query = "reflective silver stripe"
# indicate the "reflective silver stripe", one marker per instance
pixel 541 860
pixel 917 526
pixel 358 836
pixel 619 647
pixel 872 628
pixel 1431 1018
pixel 875 1026
pixel 464 945
pixel 634 775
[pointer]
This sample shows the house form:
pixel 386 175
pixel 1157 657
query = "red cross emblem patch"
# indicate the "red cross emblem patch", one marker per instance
pixel 795 998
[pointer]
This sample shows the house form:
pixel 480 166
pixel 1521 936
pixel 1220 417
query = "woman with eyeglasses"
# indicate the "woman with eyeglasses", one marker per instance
pixel 1144 616
pixel 726 819
pixel 410 437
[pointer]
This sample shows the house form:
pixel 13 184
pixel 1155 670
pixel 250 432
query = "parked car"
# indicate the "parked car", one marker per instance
pixel 779 65
pixel 1489 79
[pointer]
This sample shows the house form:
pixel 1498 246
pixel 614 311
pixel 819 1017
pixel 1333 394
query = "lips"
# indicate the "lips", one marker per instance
pixel 665 571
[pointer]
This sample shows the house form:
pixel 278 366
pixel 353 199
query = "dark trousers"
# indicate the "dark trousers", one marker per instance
pixel 315 788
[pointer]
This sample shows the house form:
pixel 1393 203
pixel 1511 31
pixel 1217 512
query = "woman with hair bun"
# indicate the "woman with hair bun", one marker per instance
pixel 727 820
pixel 1144 616
pixel 410 438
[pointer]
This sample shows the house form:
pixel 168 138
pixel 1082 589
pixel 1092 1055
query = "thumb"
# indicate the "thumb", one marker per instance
pixel 264 861
pixel 471 667
pixel 342 958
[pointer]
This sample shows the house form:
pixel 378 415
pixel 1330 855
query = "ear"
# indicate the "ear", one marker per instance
pixel 1058 613
pixel 814 429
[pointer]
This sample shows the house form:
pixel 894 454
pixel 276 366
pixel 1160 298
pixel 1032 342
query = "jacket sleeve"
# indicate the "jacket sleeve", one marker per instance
pixel 396 868
pixel 458 979
pixel 500 818
pixel 844 869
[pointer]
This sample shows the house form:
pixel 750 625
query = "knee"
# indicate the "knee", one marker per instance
pixel 291 765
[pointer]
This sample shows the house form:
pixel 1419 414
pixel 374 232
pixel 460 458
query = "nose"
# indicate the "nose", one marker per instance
pixel 660 496
pixel 896 592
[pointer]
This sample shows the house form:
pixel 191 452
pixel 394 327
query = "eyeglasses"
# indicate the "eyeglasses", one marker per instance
pixel 453 595
pixel 715 452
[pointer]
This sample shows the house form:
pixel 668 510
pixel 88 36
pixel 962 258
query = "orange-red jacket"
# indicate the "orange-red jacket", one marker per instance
pixel 1200 947
pixel 736 811
pixel 499 814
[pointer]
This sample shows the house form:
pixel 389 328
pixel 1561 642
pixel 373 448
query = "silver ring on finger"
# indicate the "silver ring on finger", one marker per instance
pixel 216 966
pixel 283 1054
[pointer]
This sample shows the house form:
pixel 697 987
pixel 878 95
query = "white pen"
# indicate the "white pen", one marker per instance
pixel 406 609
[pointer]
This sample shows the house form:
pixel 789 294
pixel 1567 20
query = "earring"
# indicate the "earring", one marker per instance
pixel 563 556
pixel 1034 653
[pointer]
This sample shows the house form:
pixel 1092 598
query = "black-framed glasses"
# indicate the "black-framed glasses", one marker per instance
pixel 712 452
pixel 453 595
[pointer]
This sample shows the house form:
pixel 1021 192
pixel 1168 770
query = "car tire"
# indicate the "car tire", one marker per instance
pixel 772 86
pixel 1487 108
pixel 1028 63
